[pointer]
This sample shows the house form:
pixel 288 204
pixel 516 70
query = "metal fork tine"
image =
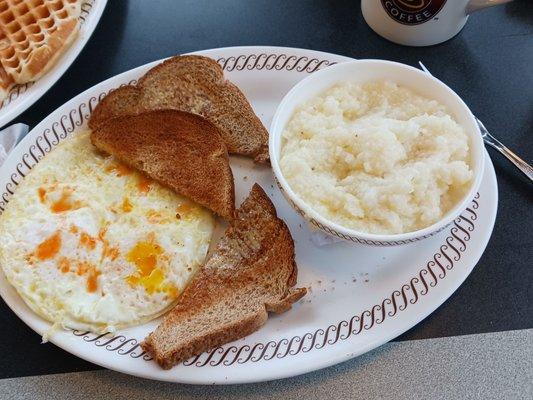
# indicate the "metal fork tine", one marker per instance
pixel 424 68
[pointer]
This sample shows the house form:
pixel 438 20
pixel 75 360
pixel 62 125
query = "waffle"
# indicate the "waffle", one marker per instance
pixel 34 33
pixel 6 83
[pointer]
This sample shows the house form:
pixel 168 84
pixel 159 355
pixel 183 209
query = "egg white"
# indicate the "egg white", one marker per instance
pixel 93 280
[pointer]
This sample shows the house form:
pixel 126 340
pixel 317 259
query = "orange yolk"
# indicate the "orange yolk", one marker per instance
pixel 85 268
pixel 64 265
pixel 185 208
pixel 65 203
pixel 145 255
pixel 126 205
pixel 92 280
pixel 73 229
pixel 111 252
pixel 42 194
pixel 102 233
pixel 119 169
pixel 49 248
pixel 144 184
pixel 87 241
pixel 153 283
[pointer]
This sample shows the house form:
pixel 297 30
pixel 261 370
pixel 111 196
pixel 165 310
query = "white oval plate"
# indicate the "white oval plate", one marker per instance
pixel 23 96
pixel 359 297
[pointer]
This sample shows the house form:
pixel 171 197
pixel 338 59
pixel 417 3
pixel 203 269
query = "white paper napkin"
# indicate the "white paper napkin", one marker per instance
pixel 9 138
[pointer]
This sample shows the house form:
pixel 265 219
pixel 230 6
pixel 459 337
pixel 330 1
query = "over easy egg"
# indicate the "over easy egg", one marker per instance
pixel 91 244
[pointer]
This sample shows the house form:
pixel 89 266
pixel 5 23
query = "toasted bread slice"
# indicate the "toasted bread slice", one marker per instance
pixel 178 149
pixel 252 271
pixel 119 102
pixel 194 84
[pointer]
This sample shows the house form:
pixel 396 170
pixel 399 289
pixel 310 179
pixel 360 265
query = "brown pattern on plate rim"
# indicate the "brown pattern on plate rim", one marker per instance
pixel 273 61
pixel 86 7
pixel 118 343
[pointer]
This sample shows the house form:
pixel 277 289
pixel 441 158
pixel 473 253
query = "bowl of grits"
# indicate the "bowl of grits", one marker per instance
pixel 376 152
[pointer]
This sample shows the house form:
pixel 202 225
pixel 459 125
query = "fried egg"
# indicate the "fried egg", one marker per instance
pixel 91 244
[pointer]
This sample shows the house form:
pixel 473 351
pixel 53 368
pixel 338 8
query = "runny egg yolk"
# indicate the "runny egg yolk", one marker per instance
pixel 145 256
pixel 49 248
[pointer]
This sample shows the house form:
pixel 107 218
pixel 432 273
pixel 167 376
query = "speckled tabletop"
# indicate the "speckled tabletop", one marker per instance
pixel 483 366
pixel 478 344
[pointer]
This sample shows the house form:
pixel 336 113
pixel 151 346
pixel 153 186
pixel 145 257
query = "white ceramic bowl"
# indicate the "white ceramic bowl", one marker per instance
pixel 362 71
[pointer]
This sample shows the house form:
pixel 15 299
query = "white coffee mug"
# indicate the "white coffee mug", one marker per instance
pixel 420 22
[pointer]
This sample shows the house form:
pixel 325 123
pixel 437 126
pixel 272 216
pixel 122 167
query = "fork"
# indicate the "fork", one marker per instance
pixel 523 166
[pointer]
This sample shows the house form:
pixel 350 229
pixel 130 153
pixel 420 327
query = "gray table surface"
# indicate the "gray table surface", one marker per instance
pixel 488 64
pixel 483 366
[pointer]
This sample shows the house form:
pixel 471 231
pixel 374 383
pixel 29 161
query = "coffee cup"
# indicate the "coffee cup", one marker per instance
pixel 420 22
